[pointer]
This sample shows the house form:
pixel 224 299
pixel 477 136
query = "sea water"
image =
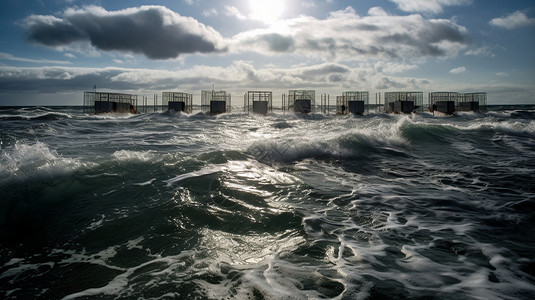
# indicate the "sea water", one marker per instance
pixel 284 206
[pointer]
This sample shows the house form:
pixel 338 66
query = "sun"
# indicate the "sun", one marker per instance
pixel 267 11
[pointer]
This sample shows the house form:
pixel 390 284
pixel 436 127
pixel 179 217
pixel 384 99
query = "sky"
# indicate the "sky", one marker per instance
pixel 52 51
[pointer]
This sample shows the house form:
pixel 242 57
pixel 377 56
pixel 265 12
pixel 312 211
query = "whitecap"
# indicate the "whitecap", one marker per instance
pixel 24 161
pixel 130 155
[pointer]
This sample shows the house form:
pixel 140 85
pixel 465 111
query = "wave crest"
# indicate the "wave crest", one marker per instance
pixel 26 161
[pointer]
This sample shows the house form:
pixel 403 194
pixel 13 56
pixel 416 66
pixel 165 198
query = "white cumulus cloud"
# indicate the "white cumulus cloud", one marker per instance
pixel 345 35
pixel 458 70
pixel 235 12
pixel 428 6
pixel 514 20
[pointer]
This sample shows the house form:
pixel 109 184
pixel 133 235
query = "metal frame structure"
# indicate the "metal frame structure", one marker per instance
pixel 103 102
pixel 303 101
pixel 215 102
pixel 444 102
pixel 325 103
pixel 472 102
pixel 259 102
pixel 403 102
pixel 173 100
pixel 352 102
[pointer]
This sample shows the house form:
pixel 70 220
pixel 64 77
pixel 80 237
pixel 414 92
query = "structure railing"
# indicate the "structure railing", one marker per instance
pixel 403 102
pixel 352 102
pixel 259 102
pixel 302 101
pixel 215 102
pixel 472 102
pixel 178 101
pixel 103 102
pixel 443 102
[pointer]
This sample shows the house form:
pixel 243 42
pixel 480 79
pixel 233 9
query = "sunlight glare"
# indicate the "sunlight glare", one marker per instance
pixel 267 11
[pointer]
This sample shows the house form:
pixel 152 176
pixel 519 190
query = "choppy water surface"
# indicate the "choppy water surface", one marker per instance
pixel 165 205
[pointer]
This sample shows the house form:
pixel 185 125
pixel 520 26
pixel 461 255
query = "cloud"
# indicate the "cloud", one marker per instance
pixel 392 67
pixel 210 12
pixel 160 33
pixel 346 36
pixel 307 4
pixel 377 11
pixel 428 6
pixel 458 70
pixel 154 31
pixel 8 56
pixel 237 77
pixel 33 85
pixel 234 12
pixel 512 21
pixel 482 51
pixel 268 42
pixel 50 79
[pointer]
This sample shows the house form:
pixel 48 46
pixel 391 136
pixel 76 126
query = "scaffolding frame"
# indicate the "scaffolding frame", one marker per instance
pixel 325 100
pixel 208 98
pixel 177 97
pixel 400 102
pixel 301 97
pixel 472 102
pixel 260 102
pixel 93 98
pixel 444 102
pixel 348 102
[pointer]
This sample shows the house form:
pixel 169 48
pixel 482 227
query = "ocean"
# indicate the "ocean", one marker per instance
pixel 189 206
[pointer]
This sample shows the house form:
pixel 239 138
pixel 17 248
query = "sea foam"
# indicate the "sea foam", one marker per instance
pixel 24 161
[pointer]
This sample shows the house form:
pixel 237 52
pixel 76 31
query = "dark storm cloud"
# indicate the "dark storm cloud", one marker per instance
pixel 52 31
pixel 154 31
